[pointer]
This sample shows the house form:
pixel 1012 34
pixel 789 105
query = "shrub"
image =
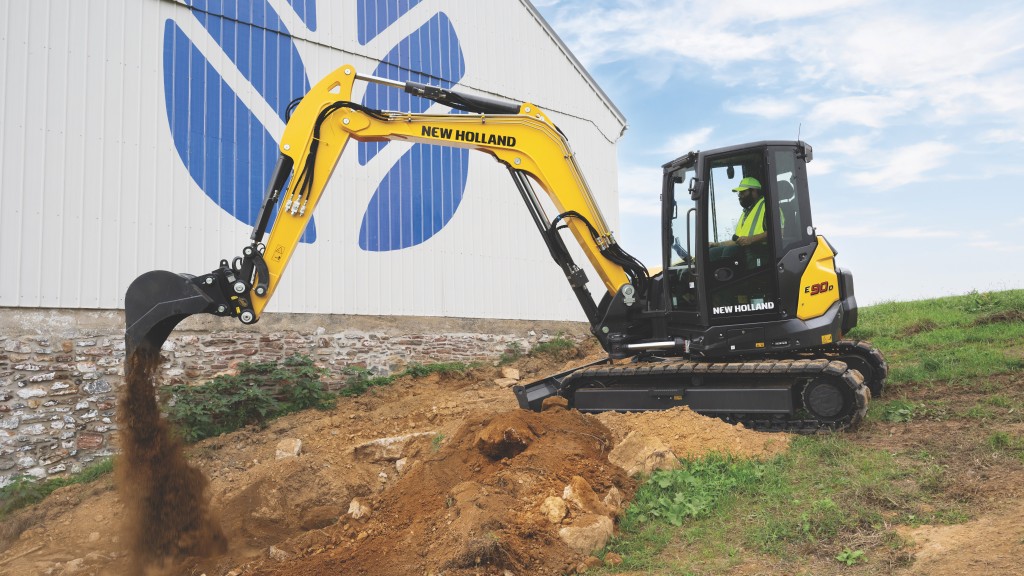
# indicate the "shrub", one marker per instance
pixel 256 394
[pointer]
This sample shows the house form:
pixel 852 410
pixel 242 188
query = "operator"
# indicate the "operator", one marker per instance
pixel 751 235
pixel 750 228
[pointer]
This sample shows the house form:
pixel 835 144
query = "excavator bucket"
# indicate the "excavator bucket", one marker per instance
pixel 155 303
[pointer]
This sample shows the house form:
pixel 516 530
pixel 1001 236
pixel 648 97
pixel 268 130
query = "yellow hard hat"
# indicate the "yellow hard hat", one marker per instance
pixel 747 183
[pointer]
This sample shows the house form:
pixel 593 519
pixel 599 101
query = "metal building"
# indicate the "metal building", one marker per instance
pixel 139 134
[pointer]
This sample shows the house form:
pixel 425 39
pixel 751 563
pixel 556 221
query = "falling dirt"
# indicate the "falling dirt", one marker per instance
pixel 167 514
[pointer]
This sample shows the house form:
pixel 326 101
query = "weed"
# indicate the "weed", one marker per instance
pixel 999 441
pixel 24 491
pixel 513 351
pixel 443 368
pixel 692 491
pixel 898 411
pixel 999 401
pixel 850 557
pixel 979 412
pixel 436 441
pixel 360 379
pixel 1005 442
pixel 556 345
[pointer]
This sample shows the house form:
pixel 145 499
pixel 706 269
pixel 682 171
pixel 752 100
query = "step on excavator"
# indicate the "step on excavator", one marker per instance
pixel 743 319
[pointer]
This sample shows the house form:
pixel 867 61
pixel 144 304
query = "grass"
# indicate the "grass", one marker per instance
pixel 557 345
pixel 25 491
pixel 1007 443
pixel 958 339
pixel 822 493
pixel 360 379
pixel 833 500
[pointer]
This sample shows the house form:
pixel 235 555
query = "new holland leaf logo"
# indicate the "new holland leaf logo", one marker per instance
pixel 230 150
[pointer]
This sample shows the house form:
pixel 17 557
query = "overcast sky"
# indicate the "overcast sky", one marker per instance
pixel 915 110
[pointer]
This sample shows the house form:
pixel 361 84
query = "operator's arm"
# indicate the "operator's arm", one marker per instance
pixel 752 239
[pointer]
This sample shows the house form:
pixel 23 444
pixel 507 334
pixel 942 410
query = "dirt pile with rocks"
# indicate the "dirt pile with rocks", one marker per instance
pixel 476 504
pixel 429 475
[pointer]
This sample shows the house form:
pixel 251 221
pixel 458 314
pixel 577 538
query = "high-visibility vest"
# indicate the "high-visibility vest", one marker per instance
pixel 751 221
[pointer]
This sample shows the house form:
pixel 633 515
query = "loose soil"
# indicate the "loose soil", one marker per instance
pixel 166 507
pixel 453 475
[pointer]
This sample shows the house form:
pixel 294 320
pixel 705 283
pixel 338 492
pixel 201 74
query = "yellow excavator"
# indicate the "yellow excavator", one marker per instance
pixel 741 320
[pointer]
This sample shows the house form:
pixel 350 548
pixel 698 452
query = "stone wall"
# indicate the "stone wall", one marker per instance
pixel 61 370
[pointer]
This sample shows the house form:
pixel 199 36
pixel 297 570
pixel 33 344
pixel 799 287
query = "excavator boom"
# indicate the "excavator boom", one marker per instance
pixel 520 136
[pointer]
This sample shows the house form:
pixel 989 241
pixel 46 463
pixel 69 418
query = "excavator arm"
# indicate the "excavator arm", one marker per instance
pixel 520 136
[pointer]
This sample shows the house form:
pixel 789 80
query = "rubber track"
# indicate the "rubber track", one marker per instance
pixel 797 368
pixel 870 354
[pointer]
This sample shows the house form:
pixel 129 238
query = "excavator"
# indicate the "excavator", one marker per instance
pixel 746 329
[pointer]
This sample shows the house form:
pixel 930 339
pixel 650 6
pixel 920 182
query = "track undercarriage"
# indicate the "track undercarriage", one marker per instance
pixel 821 389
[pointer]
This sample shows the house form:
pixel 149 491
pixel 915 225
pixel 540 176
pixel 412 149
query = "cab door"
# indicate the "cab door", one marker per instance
pixel 741 281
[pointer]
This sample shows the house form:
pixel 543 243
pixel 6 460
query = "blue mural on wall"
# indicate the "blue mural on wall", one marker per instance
pixel 420 193
pixel 230 154
pixel 225 147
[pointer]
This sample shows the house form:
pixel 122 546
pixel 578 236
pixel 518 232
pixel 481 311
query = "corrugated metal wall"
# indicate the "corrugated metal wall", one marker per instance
pixel 138 135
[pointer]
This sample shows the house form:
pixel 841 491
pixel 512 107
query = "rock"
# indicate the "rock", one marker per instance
pixel 579 493
pixel 554 509
pixel 554 403
pixel 319 517
pixel 94 536
pixel 612 559
pixel 89 440
pixel 591 532
pixel 276 553
pixel 642 454
pixel 73 566
pixel 288 448
pixel 613 500
pixel 358 509
pixel 401 464
pixel 504 437
pixel 389 449
pixel 509 372
pixel 590 562
pixel 505 382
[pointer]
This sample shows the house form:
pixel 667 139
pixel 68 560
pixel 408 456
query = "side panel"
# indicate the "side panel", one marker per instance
pixel 819 285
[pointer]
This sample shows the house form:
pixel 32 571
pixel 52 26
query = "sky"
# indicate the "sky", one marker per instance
pixel 915 111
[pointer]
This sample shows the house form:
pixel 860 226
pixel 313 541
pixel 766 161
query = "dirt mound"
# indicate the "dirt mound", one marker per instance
pixel 690 435
pixel 455 479
pixel 474 505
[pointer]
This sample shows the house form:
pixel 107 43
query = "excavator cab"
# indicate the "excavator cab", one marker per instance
pixel 739 248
